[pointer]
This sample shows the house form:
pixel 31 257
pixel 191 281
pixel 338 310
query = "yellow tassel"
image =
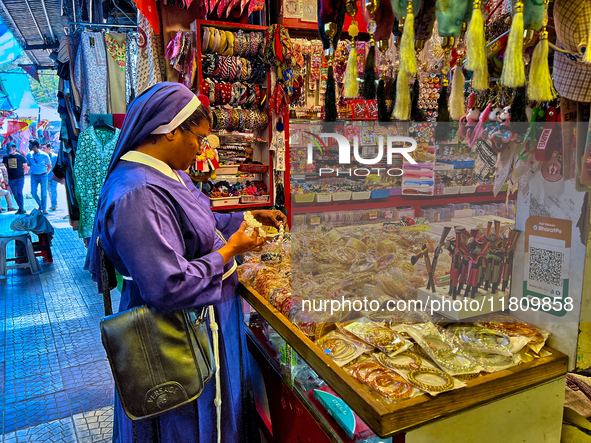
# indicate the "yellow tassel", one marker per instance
pixel 456 101
pixel 408 61
pixel 402 105
pixel 513 75
pixel 480 80
pixel 351 82
pixel 476 60
pixel 540 87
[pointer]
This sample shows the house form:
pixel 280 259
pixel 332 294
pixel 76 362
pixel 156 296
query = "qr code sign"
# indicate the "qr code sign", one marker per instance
pixel 545 266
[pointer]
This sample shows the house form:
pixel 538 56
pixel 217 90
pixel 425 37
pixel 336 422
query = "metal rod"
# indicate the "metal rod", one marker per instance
pixel 48 22
pixel 74 9
pixel 499 37
pixel 122 11
pixel 35 20
pixel 101 25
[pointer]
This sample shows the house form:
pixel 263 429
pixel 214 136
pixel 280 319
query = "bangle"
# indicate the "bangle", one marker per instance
pixel 391 385
pixel 337 348
pixel 449 383
pixel 211 40
pixel 223 43
pixel 216 41
pixel 230 42
pixel 241 121
pixel 205 39
pixel 387 360
pixel 361 370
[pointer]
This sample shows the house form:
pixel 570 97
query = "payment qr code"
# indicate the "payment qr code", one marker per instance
pixel 545 266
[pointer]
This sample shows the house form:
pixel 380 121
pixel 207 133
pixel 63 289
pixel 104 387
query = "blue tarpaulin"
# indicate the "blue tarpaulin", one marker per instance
pixel 10 50
pixel 16 84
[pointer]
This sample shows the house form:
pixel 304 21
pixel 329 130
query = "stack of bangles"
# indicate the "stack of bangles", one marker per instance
pixel 454 359
pixel 233 68
pixel 238 119
pixel 383 380
pixel 233 94
pixel 337 348
pixel 219 41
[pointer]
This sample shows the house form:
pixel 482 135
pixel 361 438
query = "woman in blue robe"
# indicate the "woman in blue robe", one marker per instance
pixel 175 253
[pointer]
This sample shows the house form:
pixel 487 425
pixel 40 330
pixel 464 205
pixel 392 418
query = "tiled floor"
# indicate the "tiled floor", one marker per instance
pixel 54 377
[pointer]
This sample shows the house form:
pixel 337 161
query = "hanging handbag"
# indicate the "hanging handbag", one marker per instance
pixel 160 360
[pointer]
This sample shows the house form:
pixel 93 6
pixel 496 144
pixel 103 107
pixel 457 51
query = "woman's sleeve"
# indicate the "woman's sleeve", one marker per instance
pixel 228 224
pixel 143 228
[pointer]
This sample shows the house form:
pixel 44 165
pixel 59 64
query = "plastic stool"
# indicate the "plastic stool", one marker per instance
pixel 31 260
pixel 42 248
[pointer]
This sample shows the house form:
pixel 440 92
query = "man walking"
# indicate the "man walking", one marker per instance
pixel 40 164
pixel 51 183
pixel 15 166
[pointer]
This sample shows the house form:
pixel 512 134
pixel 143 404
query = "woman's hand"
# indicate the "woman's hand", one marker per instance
pixel 273 218
pixel 240 243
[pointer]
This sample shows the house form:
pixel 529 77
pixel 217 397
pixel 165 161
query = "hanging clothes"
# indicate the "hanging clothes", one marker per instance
pixel 116 45
pixel 66 58
pixel 131 68
pixel 90 75
pixel 95 149
pixel 150 59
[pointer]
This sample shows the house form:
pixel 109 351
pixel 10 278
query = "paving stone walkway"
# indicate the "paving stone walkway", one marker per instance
pixel 54 377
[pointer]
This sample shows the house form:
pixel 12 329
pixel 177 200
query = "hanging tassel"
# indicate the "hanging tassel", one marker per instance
pixel 415 112
pixel 392 94
pixel 402 106
pixel 330 96
pixel 540 87
pixel 443 127
pixel 351 88
pixel 330 99
pixel 369 76
pixel 382 108
pixel 456 101
pixel 518 106
pixel 476 60
pixel 408 61
pixel 513 74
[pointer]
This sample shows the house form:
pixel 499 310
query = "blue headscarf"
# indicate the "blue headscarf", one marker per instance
pixel 159 110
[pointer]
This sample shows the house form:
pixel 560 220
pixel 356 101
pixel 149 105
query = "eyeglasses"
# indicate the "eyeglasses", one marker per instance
pixel 200 138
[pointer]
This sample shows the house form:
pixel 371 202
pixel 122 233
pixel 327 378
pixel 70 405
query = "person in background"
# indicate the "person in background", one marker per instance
pixel 40 164
pixel 4 192
pixel 15 164
pixel 51 183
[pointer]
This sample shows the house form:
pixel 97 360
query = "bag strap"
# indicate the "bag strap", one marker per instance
pixel 108 278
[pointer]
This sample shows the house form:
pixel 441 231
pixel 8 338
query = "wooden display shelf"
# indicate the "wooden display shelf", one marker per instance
pixel 416 201
pixel 386 420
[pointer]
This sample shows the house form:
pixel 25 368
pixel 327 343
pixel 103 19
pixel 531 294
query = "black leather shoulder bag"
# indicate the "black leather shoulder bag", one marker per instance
pixel 160 360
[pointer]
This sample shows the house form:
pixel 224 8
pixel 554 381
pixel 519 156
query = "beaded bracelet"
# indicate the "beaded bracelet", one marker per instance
pixel 449 383
pixel 388 361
